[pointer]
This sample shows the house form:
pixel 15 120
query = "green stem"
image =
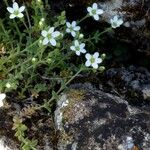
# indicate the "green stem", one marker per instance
pixel 28 18
pixel 85 17
pixel 27 48
pixel 28 60
pixel 45 105
pixel 16 26
pixel 105 31
pixel 6 34
pixel 25 24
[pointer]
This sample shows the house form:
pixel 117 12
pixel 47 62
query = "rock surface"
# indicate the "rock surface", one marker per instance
pixel 133 82
pixel 90 119
pixel 136 16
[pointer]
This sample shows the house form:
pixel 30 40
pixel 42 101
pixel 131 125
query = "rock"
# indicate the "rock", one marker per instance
pixel 2 146
pixel 133 82
pixel 136 16
pixel 146 93
pixel 90 119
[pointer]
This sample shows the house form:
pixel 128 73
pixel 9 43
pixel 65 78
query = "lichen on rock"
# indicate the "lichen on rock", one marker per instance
pixel 101 121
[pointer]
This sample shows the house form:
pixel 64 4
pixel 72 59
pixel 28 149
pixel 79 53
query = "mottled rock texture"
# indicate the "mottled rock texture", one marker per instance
pixel 136 16
pixel 133 82
pixel 89 119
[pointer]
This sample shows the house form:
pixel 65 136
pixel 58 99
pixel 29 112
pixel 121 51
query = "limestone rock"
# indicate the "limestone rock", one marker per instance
pixel 89 119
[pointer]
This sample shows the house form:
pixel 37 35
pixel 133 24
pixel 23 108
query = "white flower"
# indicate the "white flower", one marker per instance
pixel 2 97
pixel 116 22
pixel 78 48
pixel 93 60
pixel 94 11
pixel 50 36
pixel 16 11
pixel 72 28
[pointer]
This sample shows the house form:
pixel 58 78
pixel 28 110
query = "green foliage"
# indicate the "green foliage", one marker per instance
pixel 20 129
pixel 29 69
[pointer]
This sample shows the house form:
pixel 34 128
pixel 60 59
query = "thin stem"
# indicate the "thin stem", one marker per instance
pixel 6 34
pixel 45 105
pixel 34 43
pixel 28 18
pixel 107 30
pixel 28 60
pixel 16 26
pixel 85 17
pixel 25 24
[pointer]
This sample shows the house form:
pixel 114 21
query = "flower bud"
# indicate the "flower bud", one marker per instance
pixel 81 36
pixel 33 59
pixel 103 56
pixel 101 68
pixel 8 85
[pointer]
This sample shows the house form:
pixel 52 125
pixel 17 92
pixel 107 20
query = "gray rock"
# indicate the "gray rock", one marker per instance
pixel 134 82
pixel 94 120
pixel 136 16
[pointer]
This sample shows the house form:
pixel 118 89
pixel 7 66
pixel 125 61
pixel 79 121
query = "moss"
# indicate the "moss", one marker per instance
pixel 65 137
pixel 74 97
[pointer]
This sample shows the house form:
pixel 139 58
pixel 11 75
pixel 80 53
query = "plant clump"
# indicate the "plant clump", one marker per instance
pixel 40 56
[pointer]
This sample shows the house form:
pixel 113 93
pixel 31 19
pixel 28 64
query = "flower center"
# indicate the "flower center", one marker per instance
pixel 49 36
pixel 71 28
pixel 115 24
pixel 94 11
pixel 92 60
pixel 77 48
pixel 16 13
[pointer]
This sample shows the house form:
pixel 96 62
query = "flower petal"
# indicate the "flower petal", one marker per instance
pixel 98 60
pixel 83 51
pixel 89 9
pixel 96 55
pixel 100 11
pixel 15 6
pixel 94 6
pixel 68 24
pixel 115 18
pixel 78 53
pixel 72 48
pixel 11 10
pixel 88 56
pixel 82 45
pixel 55 34
pixel 96 17
pixel 68 30
pixel 2 96
pixel 51 30
pixel 120 22
pixel 87 63
pixel 76 43
pixel 73 23
pixel 53 42
pixel 77 28
pixel 22 8
pixel 45 41
pixel 73 33
pixel 20 15
pixel 12 16
pixel 95 65
pixel 44 33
